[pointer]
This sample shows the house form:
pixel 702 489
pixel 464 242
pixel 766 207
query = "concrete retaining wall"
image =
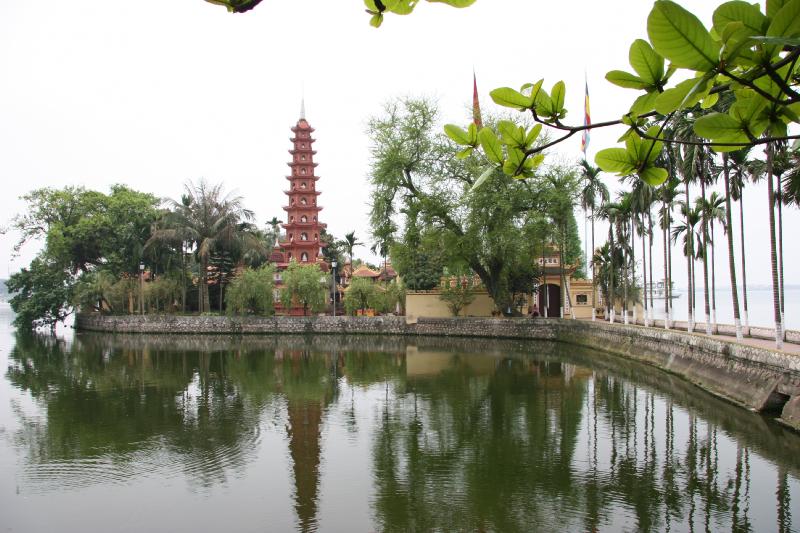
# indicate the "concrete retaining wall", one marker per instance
pixel 756 378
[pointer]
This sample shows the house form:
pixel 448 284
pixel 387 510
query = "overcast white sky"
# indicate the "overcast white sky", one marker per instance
pixel 152 93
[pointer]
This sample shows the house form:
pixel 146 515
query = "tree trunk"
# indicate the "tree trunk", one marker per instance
pixel 594 272
pixel 744 265
pixel 625 259
pixel 773 253
pixel 689 261
pixel 714 327
pixel 665 235
pixel 203 292
pixel 704 229
pixel 650 256
pixel 731 255
pixel 780 260
pixel 611 295
pixel 644 278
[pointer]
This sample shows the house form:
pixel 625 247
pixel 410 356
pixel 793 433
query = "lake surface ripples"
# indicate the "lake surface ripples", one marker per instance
pixel 132 433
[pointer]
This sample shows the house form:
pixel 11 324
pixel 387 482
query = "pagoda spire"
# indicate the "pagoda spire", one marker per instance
pixel 303 108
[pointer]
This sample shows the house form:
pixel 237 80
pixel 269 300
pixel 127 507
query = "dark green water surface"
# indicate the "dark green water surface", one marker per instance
pixel 135 433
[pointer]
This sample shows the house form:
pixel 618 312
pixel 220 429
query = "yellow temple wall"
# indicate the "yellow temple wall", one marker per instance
pixel 428 304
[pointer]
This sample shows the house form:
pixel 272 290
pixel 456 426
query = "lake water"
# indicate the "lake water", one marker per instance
pixel 759 307
pixel 135 433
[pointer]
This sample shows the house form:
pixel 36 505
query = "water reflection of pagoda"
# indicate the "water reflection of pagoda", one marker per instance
pixel 308 391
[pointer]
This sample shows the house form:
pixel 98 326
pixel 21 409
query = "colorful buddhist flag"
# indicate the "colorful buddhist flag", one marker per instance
pixel 476 105
pixel 587 121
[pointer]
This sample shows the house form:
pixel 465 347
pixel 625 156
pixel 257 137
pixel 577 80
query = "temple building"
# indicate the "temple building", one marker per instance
pixel 302 241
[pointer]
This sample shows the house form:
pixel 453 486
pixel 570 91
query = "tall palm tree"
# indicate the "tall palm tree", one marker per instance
pixel 740 168
pixel 350 242
pixel 776 301
pixel 624 218
pixel 209 220
pixel 610 211
pixel 593 189
pixel 731 259
pixel 642 197
pixel 690 244
pixel 668 194
pixel 783 163
pixel 713 209
pixel 274 225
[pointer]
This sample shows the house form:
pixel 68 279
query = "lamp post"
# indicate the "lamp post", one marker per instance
pixel 141 288
pixel 333 265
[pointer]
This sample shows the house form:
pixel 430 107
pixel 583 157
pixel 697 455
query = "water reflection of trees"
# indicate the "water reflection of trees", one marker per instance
pixel 538 441
pixel 464 441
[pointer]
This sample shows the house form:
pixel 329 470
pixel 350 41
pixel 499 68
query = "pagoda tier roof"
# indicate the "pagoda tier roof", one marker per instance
pixel 302 151
pixel 303 225
pixel 303 191
pixel 302 163
pixel 303 126
pixel 314 177
pixel 302 244
pixel 302 208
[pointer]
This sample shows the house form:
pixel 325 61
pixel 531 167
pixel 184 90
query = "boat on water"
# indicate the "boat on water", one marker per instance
pixel 660 290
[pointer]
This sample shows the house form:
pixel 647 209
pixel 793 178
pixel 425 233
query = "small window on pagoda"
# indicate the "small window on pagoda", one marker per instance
pixel 303 201
pixel 292 201
pixel 302 145
pixel 303 157
pixel 303 185
pixel 304 236
pixel 293 186
pixel 291 236
pixel 302 171
pixel 303 218
pixel 315 237
pixel 315 219
pixel 304 257
pixel 291 219
pixel 289 256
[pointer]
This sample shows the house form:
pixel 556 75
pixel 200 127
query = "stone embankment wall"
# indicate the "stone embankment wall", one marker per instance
pixel 755 378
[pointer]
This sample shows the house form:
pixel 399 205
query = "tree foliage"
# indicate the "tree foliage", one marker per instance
pixel 416 181
pixel 360 295
pixel 251 292
pixel 83 231
pixel 305 284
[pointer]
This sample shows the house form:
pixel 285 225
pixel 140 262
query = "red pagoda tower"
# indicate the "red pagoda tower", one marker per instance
pixel 302 241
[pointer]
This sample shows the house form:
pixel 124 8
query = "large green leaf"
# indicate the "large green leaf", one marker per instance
pixel 455 3
pixel 645 103
pixel 654 176
pixel 457 134
pixel 491 145
pixel 646 62
pixel 533 134
pixel 685 94
pixel 749 15
pixel 508 97
pixel 558 94
pixel 773 6
pixel 785 24
pixel 720 127
pixel 510 133
pixel 679 36
pixel 626 80
pixel 615 160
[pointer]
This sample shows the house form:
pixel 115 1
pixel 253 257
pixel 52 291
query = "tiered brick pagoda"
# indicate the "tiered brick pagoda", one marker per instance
pixel 302 240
